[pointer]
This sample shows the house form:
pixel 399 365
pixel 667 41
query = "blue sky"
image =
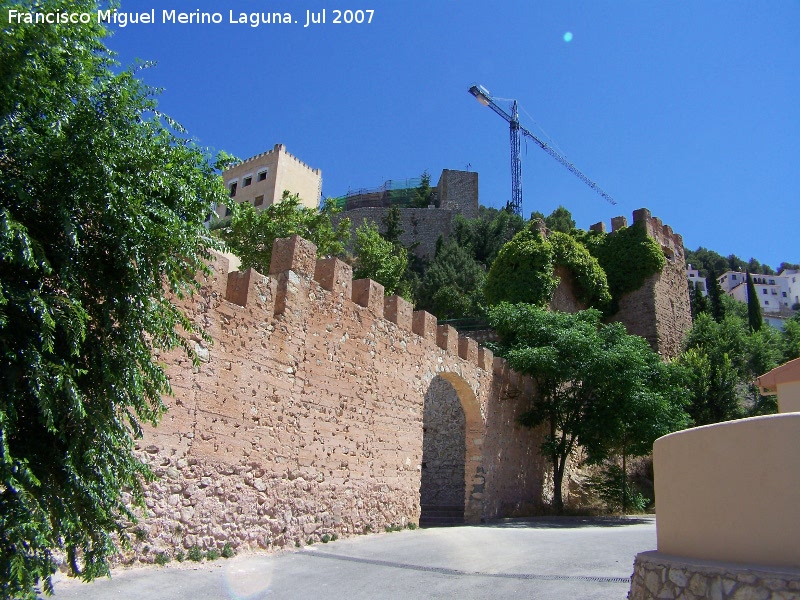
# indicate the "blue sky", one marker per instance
pixel 689 108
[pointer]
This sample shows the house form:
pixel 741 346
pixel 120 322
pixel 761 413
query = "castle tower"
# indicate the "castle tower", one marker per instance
pixel 261 180
pixel 659 310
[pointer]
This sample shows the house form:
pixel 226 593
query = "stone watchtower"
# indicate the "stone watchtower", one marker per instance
pixel 659 310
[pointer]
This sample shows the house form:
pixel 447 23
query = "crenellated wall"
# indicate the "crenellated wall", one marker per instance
pixel 305 416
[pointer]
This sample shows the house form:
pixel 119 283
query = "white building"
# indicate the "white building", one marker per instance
pixel 778 295
pixel 694 278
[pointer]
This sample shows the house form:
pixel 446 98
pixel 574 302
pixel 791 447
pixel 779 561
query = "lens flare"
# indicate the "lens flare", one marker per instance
pixel 568 36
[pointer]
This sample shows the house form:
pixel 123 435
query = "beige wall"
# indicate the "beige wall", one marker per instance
pixel 731 491
pixel 789 397
pixel 284 171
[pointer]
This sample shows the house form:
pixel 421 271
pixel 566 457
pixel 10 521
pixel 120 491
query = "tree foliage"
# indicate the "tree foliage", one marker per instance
pixel 252 232
pixel 102 206
pixel 452 285
pixel 722 360
pixel 486 234
pixel 523 271
pixel 589 277
pixel 628 256
pixel 424 192
pixel 596 386
pixel 379 259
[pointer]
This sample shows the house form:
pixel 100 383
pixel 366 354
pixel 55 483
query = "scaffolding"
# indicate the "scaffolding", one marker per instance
pixel 394 192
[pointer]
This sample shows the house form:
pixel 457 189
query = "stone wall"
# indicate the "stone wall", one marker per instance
pixel 304 417
pixel 669 578
pixel 659 310
pixel 420 225
pixel 458 191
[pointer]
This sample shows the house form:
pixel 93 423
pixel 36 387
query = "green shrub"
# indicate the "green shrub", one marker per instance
pixel 411 525
pixel 180 556
pixel 195 554
pixel 228 551
pixel 212 554
pixel 162 558
pixel 325 538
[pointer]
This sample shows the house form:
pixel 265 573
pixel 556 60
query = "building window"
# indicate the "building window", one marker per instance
pixel 259 200
pixel 232 188
pixel 764 291
pixel 766 302
pixel 784 294
pixel 733 277
pixel 262 175
pixel 247 181
pixel 772 282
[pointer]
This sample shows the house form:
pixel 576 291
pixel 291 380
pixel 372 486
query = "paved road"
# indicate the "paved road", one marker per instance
pixel 548 558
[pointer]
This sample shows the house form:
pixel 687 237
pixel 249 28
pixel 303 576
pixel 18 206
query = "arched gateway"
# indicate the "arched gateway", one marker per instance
pixel 451 484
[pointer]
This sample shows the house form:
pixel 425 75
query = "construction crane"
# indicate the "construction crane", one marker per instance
pixel 484 97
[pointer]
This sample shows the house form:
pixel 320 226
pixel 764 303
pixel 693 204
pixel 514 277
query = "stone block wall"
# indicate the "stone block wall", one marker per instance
pixel 458 191
pixel 305 415
pixel 669 578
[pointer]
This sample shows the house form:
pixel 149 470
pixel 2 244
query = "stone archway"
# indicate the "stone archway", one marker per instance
pixel 451 488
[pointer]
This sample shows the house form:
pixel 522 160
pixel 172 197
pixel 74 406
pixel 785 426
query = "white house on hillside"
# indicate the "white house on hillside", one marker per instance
pixel 778 295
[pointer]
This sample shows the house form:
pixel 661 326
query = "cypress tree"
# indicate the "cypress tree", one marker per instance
pixel 715 297
pixel 754 318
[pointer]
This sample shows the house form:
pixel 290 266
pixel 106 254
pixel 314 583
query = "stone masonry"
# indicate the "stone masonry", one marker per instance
pixel 304 418
pixel 659 310
pixel 670 578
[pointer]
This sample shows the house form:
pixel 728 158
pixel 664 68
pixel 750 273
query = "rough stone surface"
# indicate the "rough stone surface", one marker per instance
pixel 307 419
pixel 671 578
pixel 659 310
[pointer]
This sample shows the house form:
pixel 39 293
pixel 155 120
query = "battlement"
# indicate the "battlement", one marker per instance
pixel 295 266
pixel 670 242
pixel 278 149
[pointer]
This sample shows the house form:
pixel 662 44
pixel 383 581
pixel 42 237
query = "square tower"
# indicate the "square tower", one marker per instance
pixel 262 179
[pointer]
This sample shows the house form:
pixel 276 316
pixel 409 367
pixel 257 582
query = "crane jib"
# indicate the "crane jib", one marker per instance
pixel 484 97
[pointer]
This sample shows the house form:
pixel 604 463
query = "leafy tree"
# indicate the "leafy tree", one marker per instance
pixel 452 285
pixel 791 338
pixel 754 318
pixel 785 266
pixel 596 386
pixel 723 359
pixel 251 232
pixel 379 260
pixel 102 203
pixel 560 220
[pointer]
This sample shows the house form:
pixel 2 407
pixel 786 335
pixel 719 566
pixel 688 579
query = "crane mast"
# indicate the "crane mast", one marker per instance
pixel 484 97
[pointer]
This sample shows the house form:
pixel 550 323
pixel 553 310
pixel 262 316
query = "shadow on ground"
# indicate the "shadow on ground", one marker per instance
pixel 568 522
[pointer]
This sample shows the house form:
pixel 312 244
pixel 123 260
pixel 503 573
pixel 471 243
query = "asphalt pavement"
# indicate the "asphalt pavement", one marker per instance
pixel 541 558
